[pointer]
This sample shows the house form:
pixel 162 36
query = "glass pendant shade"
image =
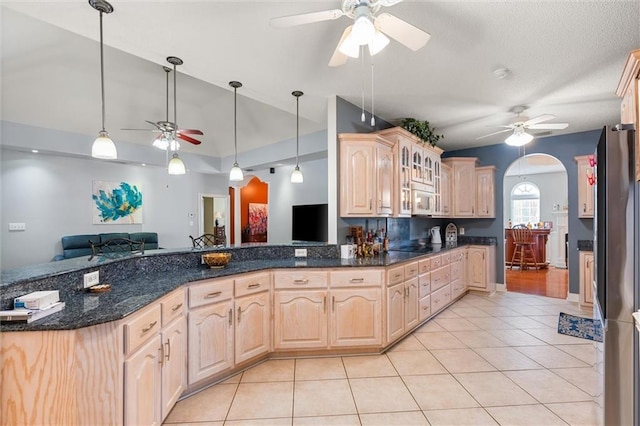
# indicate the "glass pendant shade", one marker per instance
pixel 235 174
pixel 519 137
pixel 296 175
pixel 349 46
pixel 176 165
pixel 363 30
pixel 162 142
pixel 378 43
pixel 103 147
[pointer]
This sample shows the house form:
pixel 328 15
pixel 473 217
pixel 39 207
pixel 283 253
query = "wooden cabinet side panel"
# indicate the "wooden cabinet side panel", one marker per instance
pixel 37 387
pixel 99 374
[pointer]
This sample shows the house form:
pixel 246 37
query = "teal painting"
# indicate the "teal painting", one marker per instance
pixel 116 203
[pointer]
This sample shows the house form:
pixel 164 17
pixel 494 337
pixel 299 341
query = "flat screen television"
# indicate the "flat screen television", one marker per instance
pixel 309 223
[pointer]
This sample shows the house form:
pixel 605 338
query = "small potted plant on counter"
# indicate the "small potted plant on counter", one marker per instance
pixel 422 129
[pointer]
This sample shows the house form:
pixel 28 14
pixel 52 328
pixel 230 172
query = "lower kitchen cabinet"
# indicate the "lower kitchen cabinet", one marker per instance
pixel 402 308
pixel 440 298
pixel 300 319
pixel 174 364
pixel 142 384
pixel 481 268
pixel 253 326
pixel 586 279
pixel 356 317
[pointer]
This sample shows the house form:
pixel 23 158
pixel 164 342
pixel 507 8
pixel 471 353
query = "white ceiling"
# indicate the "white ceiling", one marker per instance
pixel 565 58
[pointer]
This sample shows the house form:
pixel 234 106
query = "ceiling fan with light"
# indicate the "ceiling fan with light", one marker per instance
pixel 169 131
pixel 368 29
pixel 521 124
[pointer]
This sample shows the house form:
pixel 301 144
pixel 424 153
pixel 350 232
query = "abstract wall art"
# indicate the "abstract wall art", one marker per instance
pixel 116 203
pixel 258 215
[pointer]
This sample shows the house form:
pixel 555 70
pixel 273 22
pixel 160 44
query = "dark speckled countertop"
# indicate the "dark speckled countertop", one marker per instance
pixel 137 281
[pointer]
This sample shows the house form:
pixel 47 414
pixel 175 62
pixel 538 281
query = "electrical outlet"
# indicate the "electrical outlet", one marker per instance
pixel 92 278
pixel 17 227
pixel 461 231
pixel 301 253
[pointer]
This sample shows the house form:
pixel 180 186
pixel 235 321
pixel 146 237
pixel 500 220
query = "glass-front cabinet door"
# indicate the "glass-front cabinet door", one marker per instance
pixel 417 171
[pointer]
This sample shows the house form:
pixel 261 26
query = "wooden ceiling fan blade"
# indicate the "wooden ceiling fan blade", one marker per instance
pixel 401 31
pixel 306 18
pixel 549 126
pixel 191 131
pixel 539 119
pixel 188 139
pixel 338 58
pixel 494 133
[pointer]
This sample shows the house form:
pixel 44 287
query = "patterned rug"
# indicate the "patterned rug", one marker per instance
pixel 585 328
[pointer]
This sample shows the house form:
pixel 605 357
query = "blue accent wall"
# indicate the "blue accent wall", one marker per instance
pixel 564 148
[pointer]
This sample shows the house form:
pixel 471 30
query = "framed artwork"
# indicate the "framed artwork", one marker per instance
pixel 116 203
pixel 258 215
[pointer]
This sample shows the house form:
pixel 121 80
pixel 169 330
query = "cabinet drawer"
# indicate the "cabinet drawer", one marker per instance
pixel 446 258
pixel 424 266
pixel 210 292
pixel 457 255
pixel 457 288
pixel 440 277
pixel 440 298
pixel 172 306
pixel 252 283
pixel 141 327
pixel 395 275
pixel 456 270
pixel 425 308
pixel 436 262
pixel 356 278
pixel 300 279
pixel 425 285
pixel 410 270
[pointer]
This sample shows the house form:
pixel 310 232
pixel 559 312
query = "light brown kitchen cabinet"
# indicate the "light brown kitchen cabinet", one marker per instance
pixel 445 191
pixel 174 364
pixel 629 90
pixel 402 302
pixel 300 319
pixel 366 175
pixel 142 384
pixel 485 192
pixel 252 326
pixel 463 184
pixel 586 279
pixel 458 273
pixel 481 269
pixel 356 317
pixel 586 191
pixel 402 178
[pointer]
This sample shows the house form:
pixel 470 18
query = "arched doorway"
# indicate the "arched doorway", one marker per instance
pixel 535 193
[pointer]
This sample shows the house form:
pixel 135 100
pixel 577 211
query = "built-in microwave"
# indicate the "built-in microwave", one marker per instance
pixel 423 199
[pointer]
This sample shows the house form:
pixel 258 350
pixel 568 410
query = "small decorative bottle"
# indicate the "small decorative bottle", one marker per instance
pixel 510 225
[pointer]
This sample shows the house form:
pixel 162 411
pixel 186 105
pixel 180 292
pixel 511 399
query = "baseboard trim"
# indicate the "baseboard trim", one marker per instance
pixel 573 297
pixel 501 287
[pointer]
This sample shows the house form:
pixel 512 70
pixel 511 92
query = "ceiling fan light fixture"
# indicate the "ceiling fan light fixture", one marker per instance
pixel 363 29
pixel 162 142
pixel 176 165
pixel 519 137
pixel 103 147
pixel 350 47
pixel 379 42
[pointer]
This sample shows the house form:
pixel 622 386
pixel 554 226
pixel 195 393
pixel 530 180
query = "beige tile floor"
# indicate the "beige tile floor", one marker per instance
pixel 483 361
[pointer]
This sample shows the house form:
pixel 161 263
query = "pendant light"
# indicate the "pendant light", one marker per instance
pixel 103 147
pixel 296 175
pixel 235 174
pixel 176 165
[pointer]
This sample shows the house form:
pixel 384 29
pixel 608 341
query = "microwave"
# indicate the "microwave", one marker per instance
pixel 423 199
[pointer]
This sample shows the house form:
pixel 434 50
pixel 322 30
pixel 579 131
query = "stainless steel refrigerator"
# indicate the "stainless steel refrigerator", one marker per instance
pixel 616 276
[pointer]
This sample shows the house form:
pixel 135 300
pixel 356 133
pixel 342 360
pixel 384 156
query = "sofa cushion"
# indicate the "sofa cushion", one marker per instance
pixel 150 239
pixel 111 235
pixel 78 245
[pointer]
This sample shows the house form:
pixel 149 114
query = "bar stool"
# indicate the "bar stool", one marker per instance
pixel 523 252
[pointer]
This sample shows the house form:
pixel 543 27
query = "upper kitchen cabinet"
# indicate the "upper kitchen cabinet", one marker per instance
pixel 629 90
pixel 485 192
pixel 443 192
pixel 463 185
pixel 366 175
pixel 415 162
pixel 586 193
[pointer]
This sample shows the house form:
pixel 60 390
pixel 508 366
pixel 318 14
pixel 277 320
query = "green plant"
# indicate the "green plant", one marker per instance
pixel 422 129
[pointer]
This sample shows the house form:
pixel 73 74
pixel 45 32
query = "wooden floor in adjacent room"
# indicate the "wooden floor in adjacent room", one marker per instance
pixel 550 282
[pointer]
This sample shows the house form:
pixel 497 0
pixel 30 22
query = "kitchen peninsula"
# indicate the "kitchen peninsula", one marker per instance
pixel 539 247
pixel 169 326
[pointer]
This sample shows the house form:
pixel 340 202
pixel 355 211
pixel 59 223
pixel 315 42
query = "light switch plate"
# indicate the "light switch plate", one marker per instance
pixel 461 231
pixel 301 252
pixel 92 278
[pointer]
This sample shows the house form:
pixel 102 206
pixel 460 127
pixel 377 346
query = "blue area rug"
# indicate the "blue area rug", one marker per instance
pixel 585 328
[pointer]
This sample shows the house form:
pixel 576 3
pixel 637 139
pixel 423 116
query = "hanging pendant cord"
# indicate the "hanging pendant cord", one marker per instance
pixel 102 73
pixel 175 102
pixel 167 98
pixel 362 117
pixel 235 123
pixel 373 119
pixel 297 128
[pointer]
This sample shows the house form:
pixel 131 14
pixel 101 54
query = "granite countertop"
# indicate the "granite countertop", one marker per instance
pixel 585 245
pixel 143 281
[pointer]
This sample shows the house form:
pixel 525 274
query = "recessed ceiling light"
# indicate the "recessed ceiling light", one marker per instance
pixel 144 165
pixel 35 151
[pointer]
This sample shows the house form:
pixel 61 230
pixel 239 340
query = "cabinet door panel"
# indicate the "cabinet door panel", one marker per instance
pixel 476 268
pixel 210 340
pixel 411 317
pixel 252 333
pixel 395 312
pixel 356 179
pixel 300 319
pixel 142 371
pixel 356 317
pixel 174 370
pixel 384 183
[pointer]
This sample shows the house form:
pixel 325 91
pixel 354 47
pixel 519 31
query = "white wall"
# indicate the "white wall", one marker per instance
pixel 553 190
pixel 52 195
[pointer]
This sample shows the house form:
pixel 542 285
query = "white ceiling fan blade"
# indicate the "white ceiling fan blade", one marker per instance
pixel 338 58
pixel 494 133
pixel 549 126
pixel 306 18
pixel 412 37
pixel 387 3
pixel 539 119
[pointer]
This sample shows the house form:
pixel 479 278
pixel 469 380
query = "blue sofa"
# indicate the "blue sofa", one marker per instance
pixel 80 245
